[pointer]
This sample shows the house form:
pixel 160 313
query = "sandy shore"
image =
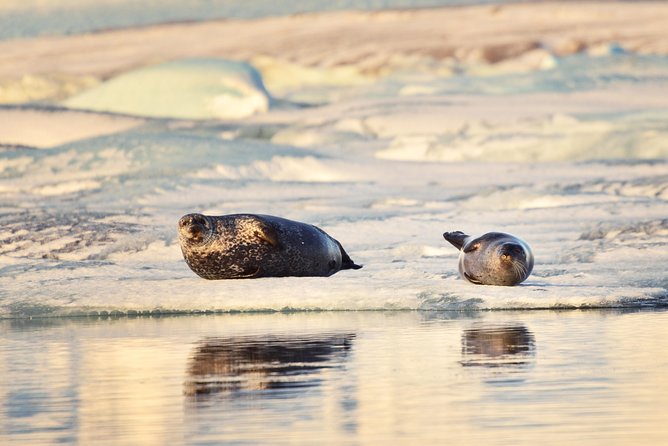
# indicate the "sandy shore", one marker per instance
pixel 373 42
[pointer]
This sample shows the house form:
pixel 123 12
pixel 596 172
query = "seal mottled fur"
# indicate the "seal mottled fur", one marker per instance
pixel 241 246
pixel 494 258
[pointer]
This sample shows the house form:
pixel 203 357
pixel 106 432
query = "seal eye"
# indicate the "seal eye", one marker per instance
pixel 193 220
pixel 198 220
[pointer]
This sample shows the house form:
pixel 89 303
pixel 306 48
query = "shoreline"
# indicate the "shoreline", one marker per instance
pixel 645 305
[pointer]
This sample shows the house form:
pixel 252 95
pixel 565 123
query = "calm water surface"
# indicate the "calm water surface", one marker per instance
pixel 539 377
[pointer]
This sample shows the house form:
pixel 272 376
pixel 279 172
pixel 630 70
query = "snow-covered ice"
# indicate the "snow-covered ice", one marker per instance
pixel 195 88
pixel 570 155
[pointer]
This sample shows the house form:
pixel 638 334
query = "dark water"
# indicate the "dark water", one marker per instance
pixel 571 377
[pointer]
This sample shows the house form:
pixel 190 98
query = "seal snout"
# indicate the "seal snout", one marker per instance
pixel 192 219
pixel 194 227
pixel 510 252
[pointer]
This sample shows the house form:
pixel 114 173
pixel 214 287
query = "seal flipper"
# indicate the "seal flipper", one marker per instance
pixel 456 238
pixel 346 261
pixel 472 247
pixel 254 274
pixel 472 279
pixel 267 234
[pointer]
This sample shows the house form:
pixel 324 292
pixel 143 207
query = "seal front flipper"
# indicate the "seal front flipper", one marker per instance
pixel 472 279
pixel 456 238
pixel 471 247
pixel 267 234
pixel 255 272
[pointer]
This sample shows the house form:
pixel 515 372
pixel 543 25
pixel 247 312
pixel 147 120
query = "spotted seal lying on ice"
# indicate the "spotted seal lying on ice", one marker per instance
pixel 494 258
pixel 244 246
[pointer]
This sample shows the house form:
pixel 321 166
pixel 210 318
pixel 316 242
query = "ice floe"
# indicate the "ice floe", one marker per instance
pixel 188 89
pixel 559 138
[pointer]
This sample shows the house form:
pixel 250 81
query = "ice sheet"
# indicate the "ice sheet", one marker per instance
pixel 97 233
pixel 570 156
pixel 195 88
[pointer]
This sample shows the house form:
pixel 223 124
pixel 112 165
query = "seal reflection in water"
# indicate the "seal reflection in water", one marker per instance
pixel 499 346
pixel 492 259
pixel 242 246
pixel 226 365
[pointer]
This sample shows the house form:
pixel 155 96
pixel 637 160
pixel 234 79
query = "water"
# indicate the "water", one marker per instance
pixel 568 377
pixel 37 18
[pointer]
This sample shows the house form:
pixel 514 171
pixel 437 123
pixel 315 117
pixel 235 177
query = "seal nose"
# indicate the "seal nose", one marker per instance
pixel 193 227
pixel 511 251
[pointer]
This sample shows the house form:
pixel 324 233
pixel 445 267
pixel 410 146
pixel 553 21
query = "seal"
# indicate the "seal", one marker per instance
pixel 245 246
pixel 494 258
pixel 257 363
pixel 494 346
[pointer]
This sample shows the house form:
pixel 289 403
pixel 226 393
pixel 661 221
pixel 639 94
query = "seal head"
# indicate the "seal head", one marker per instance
pixel 494 258
pixel 195 229
pixel 241 246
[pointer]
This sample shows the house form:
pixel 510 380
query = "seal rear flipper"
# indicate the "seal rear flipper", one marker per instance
pixel 346 261
pixel 456 238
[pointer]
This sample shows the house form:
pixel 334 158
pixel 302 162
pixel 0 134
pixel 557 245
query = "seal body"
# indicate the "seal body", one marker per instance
pixel 243 246
pixel 494 258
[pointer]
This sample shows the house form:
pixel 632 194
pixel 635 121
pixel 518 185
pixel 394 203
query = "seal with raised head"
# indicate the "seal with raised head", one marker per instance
pixel 494 258
pixel 244 246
